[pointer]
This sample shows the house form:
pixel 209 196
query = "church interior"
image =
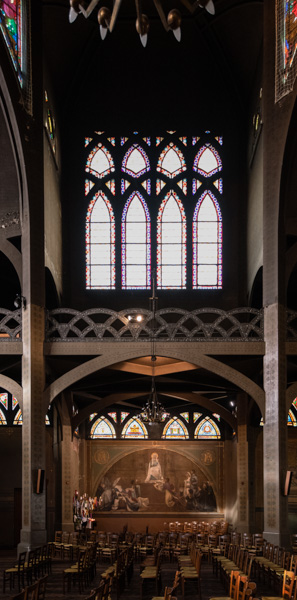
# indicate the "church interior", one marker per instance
pixel 148 259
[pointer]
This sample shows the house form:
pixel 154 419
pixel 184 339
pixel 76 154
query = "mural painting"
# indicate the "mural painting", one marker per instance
pixel 155 481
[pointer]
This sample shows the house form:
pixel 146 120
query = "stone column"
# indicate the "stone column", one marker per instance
pixel 33 531
pixel 275 428
pixel 274 133
pixel 69 452
pixel 242 465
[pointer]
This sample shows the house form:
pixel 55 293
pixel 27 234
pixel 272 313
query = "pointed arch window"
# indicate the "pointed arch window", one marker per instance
pixel 175 430
pixel 99 162
pixel 134 428
pixel 136 244
pixel 171 161
pixel 102 428
pixel 207 429
pixel 136 161
pixel 100 244
pixel 171 243
pixel 207 161
pixel 207 243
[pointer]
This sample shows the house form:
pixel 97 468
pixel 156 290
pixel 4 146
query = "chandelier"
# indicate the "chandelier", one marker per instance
pixel 107 18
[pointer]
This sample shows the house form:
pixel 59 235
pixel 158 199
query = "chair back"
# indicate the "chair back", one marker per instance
pixel 288 584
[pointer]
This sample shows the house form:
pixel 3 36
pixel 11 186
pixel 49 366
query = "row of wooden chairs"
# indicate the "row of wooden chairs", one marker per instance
pixel 240 587
pixel 103 591
pixel 219 527
pixel 190 568
pixel 30 566
pixel 83 571
pixel 35 591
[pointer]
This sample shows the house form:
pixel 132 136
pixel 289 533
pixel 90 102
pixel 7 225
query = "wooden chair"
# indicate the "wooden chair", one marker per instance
pixel 287 588
pixel 234 587
pixel 20 596
pixel 32 591
pixel 76 573
pixel 170 590
pixel 17 571
pixel 151 574
pixel 192 574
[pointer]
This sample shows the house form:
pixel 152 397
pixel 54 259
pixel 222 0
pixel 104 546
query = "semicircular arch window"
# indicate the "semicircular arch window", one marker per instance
pixel 171 161
pixel 136 243
pixel 171 243
pixel 207 429
pixel 134 428
pixel 102 428
pixel 175 430
pixel 135 161
pixel 207 243
pixel 99 162
pixel 100 244
pixel 207 161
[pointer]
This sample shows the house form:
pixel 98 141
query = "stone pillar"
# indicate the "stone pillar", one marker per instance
pixel 69 452
pixel 275 428
pixel 33 531
pixel 276 119
pixel 242 465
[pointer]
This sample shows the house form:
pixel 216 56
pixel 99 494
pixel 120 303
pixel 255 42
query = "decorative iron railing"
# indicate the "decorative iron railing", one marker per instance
pixel 10 325
pixel 169 324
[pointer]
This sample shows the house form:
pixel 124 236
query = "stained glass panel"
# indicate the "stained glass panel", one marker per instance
pixel 14 402
pixel 99 162
pixel 196 416
pixel 185 416
pixel 92 416
pixel 292 419
pixel 100 244
pixel 207 161
pixel 102 428
pixel 4 400
pixel 171 161
pixel 175 429
pixel 123 416
pixel 207 243
pixel 2 418
pixel 113 415
pixel 11 27
pixel 171 243
pixel 207 429
pixel 134 428
pixel 135 161
pixel 136 244
pixel 18 419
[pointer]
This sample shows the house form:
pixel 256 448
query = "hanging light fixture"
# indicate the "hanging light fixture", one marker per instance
pixel 107 18
pixel 153 411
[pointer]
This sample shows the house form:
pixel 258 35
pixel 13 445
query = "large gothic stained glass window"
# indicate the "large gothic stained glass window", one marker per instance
pixel 153 203
pixel 11 28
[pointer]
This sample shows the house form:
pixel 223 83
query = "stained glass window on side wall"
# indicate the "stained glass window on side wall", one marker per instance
pixel 175 430
pixel 207 161
pixel 286 47
pixel 207 429
pixel 136 244
pixel 207 243
pixel 171 243
pixel 100 244
pixel 102 428
pixel 11 28
pixel 134 428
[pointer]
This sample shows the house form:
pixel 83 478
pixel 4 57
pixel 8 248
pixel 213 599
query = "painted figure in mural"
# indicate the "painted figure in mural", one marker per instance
pixel 207 499
pixel 187 485
pixel 154 472
pixel 170 495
